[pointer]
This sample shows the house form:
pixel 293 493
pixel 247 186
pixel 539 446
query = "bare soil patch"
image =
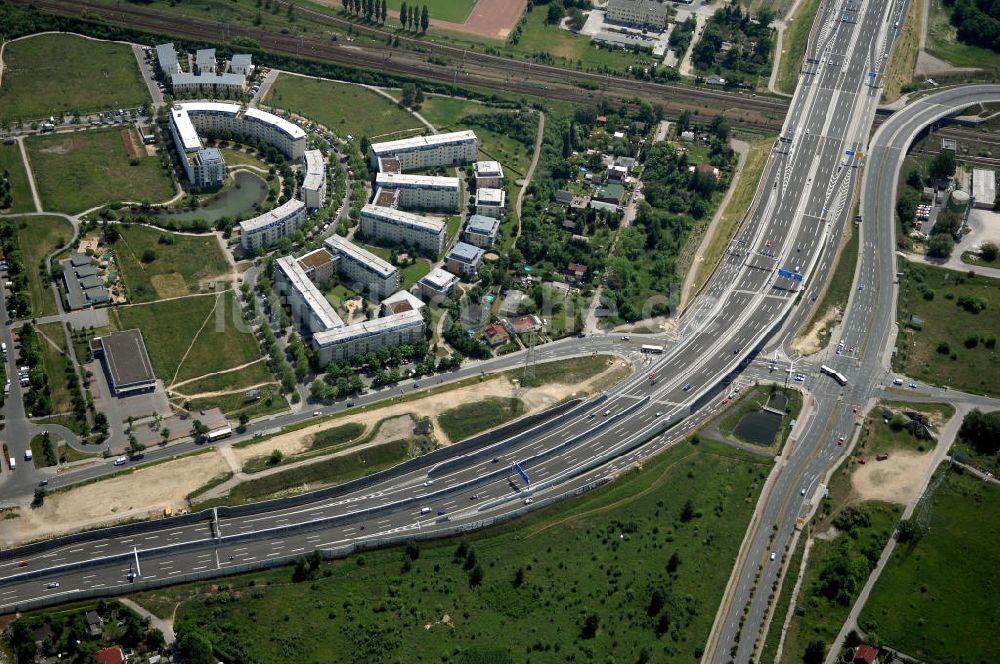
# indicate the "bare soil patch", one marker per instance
pixel 898 479
pixel 811 342
pixel 132 144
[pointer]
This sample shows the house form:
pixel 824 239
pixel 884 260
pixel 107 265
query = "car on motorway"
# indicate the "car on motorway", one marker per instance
pixel 496 459
pixel 803 492
pixel 425 510
pixel 442 512
pixel 725 401
pixel 687 387
pixel 528 501
pixel 429 483
pixel 625 337
pixel 840 441
pixel 474 496
pixel 659 412
pixel 23 563
pixel 861 287
pixel 53 584
pixel 607 412
pixel 855 409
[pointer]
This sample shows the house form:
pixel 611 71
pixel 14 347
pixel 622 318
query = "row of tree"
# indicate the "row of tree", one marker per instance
pixel 377 11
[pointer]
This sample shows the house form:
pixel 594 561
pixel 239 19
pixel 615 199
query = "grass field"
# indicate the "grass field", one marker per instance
pixel 411 274
pixel 942 41
pixel 343 108
pixel 793 46
pixel 446 113
pixel 877 436
pixel 234 405
pixel 38 82
pixel 838 290
pixel 190 337
pixel 180 265
pixel 904 54
pixel 537 36
pixel 453 11
pixel 54 358
pixel 235 157
pixel 826 606
pixel 37 237
pixel 468 419
pixel 75 172
pixel 956 347
pixel 743 191
pixel 337 436
pixel 606 553
pixel 246 377
pixel 933 599
pixel 20 189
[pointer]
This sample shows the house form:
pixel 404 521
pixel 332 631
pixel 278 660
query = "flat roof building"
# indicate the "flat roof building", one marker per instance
pixel 216 117
pixel 242 64
pixel 266 229
pixel 984 187
pixel 464 259
pixel 204 60
pixel 491 202
pixel 387 224
pixel 319 265
pixel 481 231
pixel 125 361
pixel 453 148
pixel 309 308
pixel 343 343
pixel 424 192
pixel 314 182
pixel 208 84
pixel 365 272
pixel 646 14
pixel 488 174
pixel 208 168
pixel 166 59
pixel 437 285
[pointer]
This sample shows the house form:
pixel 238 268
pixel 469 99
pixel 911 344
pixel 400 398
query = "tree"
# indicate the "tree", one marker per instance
pixel 940 245
pixel 476 577
pixel 982 431
pixel 244 420
pixel 943 165
pixel 555 13
pixel 989 251
pixel 199 429
pixel 815 653
pixel 39 498
pixel 914 180
pixel 403 15
pixel 409 92
pixel 683 122
pixel 413 17
pixel 425 19
pixel 196 647
pixel 385 11
pixel 165 433
pixel 673 563
pixel 149 255
pixel 687 512
pixel 590 626
pixel 275 458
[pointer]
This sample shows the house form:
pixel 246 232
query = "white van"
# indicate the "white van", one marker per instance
pixel 121 461
pixel 12 463
pixel 3 348
pixel 27 455
pixel 423 510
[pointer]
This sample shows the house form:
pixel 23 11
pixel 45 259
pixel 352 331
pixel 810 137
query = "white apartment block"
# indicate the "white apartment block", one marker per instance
pixel 423 192
pixel 363 271
pixel 242 63
pixel 204 60
pixel 481 231
pixel 649 14
pixel 491 202
pixel 387 224
pixel 437 285
pixel 208 168
pixel 166 58
pixel 215 117
pixel 208 85
pixel 488 174
pixel 266 229
pixel 309 308
pixel 314 183
pixel 449 149
pixel 343 343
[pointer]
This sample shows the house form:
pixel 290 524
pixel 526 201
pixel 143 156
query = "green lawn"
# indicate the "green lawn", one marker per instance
pixel 565 47
pixel 956 347
pixel 411 274
pixel 942 41
pixel 244 378
pixel 337 436
pixel 877 436
pixel 794 46
pixel 189 337
pixel 20 191
pixel 233 405
pixel 446 113
pixel 453 11
pixel 468 419
pixel 56 361
pixel 606 553
pixel 75 172
pixel 179 265
pixel 343 108
pixel 825 601
pixel 52 74
pixel 934 600
pixel 235 157
pixel 37 237
pixel 838 290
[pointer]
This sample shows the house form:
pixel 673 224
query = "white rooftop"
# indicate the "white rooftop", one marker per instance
pixel 405 218
pixel 339 245
pixel 488 169
pixel 393 180
pixel 984 186
pixel 208 107
pixel 277 214
pixel 311 295
pixel 486 196
pixel 184 78
pixel 368 328
pixel 185 130
pixel 418 142
pixel 439 279
pixel 315 169
pixel 291 129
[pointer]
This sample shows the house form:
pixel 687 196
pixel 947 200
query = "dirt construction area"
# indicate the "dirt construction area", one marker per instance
pixel 492 19
pixel 898 479
pixel 144 493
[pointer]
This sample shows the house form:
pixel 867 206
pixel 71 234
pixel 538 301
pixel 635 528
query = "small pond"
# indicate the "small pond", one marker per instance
pixel 759 427
pixel 247 191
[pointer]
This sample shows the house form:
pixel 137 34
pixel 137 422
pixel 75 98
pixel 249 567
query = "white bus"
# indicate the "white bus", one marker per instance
pixel 651 348
pixel 219 434
pixel 836 375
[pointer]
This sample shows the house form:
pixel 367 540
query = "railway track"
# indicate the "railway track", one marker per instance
pixel 460 67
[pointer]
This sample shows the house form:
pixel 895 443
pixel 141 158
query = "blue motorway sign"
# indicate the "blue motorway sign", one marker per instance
pixel 849 153
pixel 797 277
pixel 785 273
pixel 520 471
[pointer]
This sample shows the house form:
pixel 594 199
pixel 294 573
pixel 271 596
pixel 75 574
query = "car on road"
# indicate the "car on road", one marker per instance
pixel 687 387
pixel 659 412
pixel 496 459
pixel 474 496
pixel 528 501
pixel 803 492
pixel 840 441
pixel 53 584
pixel 442 512
pixel 121 461
pixel 725 401
pixel 317 413
pixel 23 563
pixel 625 337
pixel 772 553
pixel 855 409
pixel 43 483
pixel 897 381
pixel 428 482
pixel 913 386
